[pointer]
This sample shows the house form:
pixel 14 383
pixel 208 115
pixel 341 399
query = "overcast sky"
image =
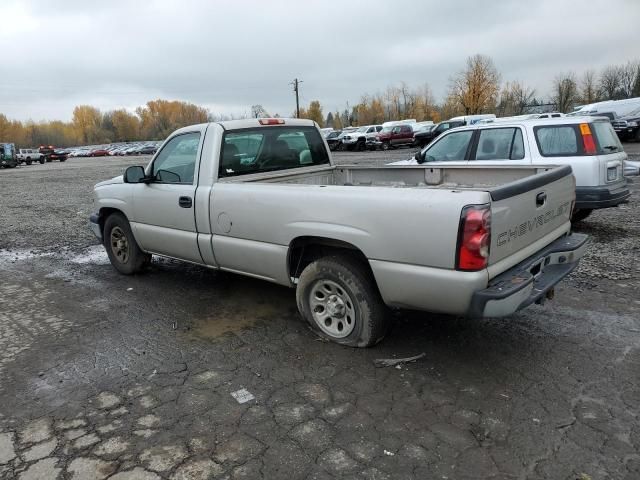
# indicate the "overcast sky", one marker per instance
pixel 230 55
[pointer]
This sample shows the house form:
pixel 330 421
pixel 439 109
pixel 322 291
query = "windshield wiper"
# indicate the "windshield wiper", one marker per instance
pixel 611 147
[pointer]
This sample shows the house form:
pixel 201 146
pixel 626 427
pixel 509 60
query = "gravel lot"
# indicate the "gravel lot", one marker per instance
pixel 133 376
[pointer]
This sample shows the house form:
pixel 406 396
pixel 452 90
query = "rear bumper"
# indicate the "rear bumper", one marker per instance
pixel 530 280
pixel 601 197
pixel 94 225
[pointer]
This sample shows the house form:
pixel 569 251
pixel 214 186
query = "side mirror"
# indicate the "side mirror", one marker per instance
pixel 134 174
pixel 419 156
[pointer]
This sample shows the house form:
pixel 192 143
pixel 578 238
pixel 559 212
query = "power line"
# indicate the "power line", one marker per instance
pixel 296 84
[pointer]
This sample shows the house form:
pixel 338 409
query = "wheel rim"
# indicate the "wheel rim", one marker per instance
pixel 332 308
pixel 119 244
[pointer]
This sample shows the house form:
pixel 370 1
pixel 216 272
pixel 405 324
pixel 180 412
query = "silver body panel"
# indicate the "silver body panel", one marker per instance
pixel 405 220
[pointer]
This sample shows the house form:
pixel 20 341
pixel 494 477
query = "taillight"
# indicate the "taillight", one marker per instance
pixel 587 139
pixel 474 238
pixel 271 121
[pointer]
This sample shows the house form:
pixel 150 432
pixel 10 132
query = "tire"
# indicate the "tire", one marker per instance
pixel 347 287
pixel 63 160
pixel 637 135
pixel 29 162
pixel 42 161
pixel 385 146
pixel 48 160
pixel 361 146
pixel 580 215
pixel 127 258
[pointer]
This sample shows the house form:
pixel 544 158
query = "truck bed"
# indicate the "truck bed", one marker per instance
pixel 455 177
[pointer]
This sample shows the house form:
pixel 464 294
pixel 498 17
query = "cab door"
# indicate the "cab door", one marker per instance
pixel 164 209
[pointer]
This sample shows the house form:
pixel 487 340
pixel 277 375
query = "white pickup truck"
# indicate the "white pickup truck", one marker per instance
pixel 263 198
pixel 30 155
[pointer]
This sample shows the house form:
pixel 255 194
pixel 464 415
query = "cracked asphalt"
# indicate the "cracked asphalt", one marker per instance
pixel 106 376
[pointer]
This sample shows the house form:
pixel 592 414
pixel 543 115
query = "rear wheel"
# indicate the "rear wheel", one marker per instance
pixel 580 215
pixel 42 161
pixel 28 162
pixel 361 145
pixel 123 250
pixel 338 296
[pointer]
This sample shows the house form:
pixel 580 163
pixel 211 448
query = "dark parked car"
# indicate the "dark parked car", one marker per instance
pixel 332 139
pixel 628 127
pixel 51 153
pixel 148 150
pixel 428 137
pixel 420 135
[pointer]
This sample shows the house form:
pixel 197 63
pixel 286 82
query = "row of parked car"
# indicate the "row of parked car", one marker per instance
pixel 394 134
pixel 11 157
pixel 115 149
pixel 624 116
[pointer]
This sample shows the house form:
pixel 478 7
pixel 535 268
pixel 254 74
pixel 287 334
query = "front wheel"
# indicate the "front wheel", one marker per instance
pixel 339 298
pixel 385 146
pixel 28 162
pixel 123 250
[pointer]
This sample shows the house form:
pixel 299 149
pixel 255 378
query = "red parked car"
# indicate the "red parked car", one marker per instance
pixel 393 136
pixel 99 152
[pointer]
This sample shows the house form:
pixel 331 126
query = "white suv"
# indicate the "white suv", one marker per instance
pixel 588 144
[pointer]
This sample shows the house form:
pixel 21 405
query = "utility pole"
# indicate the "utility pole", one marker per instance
pixel 295 84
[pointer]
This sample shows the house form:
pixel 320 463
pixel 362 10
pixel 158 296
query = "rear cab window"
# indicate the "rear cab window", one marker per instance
pixel 566 140
pixel 268 149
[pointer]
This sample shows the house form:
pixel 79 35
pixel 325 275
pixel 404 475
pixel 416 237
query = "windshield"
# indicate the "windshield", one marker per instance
pixel 387 129
pixel 633 113
pixel 607 138
pixel 362 129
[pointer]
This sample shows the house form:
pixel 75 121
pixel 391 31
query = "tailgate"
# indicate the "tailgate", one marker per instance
pixel 529 211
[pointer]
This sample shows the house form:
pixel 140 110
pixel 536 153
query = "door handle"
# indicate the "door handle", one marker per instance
pixel 541 199
pixel 185 202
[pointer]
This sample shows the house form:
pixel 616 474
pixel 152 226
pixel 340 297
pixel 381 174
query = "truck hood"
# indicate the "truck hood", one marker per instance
pixel 113 181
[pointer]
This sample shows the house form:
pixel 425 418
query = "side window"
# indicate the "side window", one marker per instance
pixel 176 162
pixel 450 147
pixel 378 128
pixel 500 144
pixel 395 130
pixel 444 126
pixel 517 149
pixel 557 140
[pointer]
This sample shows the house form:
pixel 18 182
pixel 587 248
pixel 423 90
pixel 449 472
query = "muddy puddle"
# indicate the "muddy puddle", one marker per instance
pixel 243 304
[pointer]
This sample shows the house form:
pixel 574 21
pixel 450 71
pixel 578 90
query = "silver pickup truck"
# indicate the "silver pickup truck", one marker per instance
pixel 263 198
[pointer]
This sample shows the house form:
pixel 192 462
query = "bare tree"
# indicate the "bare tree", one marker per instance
pixel 628 74
pixel 476 88
pixel 514 98
pixel 565 91
pixel 588 87
pixel 610 81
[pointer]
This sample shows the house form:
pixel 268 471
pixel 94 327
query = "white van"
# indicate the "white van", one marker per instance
pixel 472 119
pixel 620 108
pixel 588 144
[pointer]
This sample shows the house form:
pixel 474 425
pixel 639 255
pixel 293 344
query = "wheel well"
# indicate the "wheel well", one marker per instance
pixel 104 213
pixel 304 250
